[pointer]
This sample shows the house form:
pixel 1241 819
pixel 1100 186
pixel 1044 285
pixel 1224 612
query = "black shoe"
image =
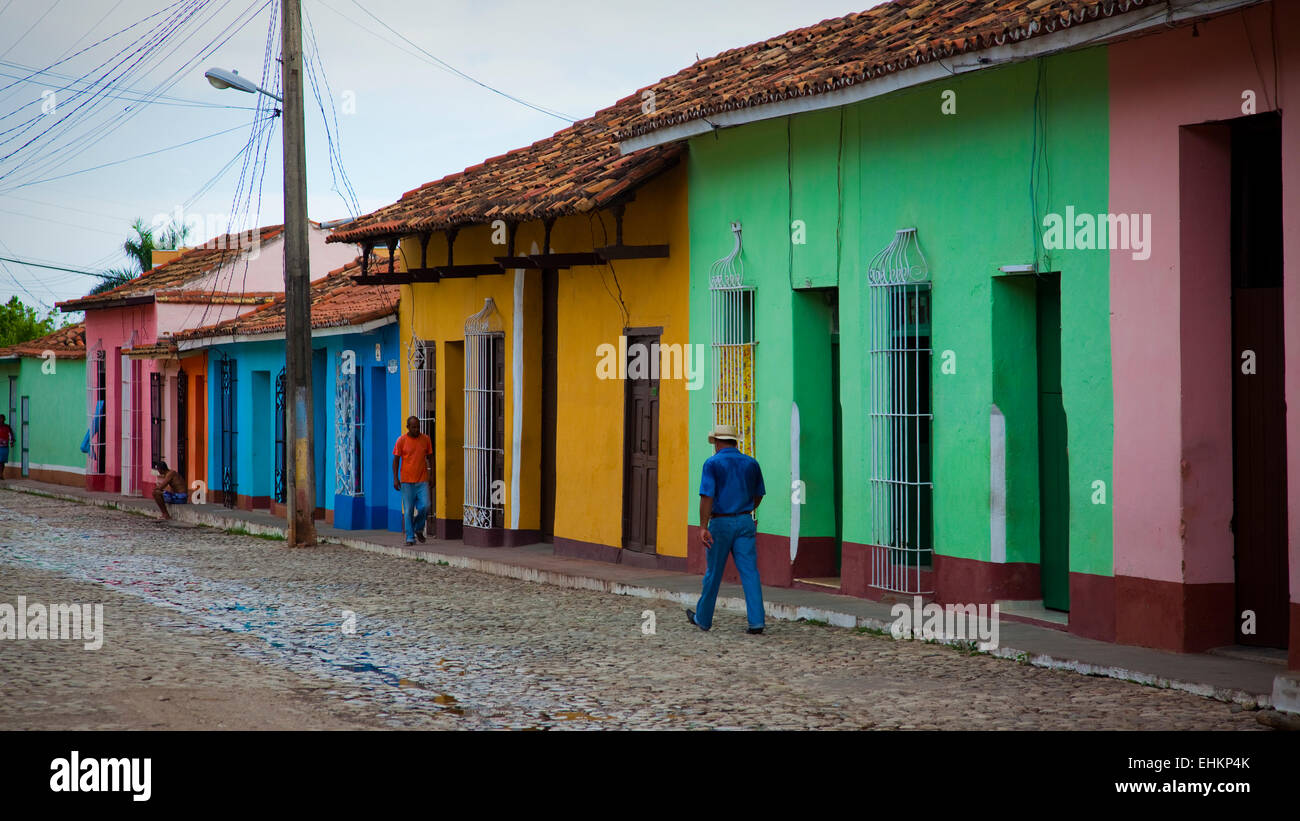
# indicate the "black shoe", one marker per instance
pixel 690 616
pixel 755 631
pixel 420 537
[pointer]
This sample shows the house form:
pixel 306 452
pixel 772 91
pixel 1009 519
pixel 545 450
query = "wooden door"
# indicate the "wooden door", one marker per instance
pixel 641 453
pixel 1259 448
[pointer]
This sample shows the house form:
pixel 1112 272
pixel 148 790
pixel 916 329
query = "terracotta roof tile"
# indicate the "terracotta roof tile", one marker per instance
pixel 845 51
pixel 336 300
pixel 175 274
pixel 67 343
pixel 571 172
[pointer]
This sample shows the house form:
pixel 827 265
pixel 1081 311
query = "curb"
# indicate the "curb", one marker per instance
pixel 775 610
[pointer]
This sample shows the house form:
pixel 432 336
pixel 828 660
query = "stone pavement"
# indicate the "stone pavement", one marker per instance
pixel 1245 681
pixel 209 629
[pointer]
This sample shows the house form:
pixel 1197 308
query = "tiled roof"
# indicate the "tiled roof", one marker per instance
pixel 175 274
pixel 336 300
pixel 66 343
pixel 202 297
pixel 844 51
pixel 576 170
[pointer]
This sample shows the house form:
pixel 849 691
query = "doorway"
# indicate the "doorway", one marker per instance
pixel 1053 455
pixel 1259 486
pixel 641 441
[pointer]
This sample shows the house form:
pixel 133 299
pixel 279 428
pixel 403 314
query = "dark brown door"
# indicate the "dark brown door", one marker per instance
pixel 1259 519
pixel 641 448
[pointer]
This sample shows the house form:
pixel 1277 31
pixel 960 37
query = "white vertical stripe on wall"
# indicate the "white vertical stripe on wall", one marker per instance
pixel 997 486
pixel 517 402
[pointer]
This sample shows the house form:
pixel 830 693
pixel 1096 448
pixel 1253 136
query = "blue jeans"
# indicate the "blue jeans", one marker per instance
pixel 415 507
pixel 735 535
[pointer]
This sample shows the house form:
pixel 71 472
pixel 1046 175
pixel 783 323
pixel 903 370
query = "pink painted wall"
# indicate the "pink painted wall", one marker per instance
pixel 265 268
pixel 1162 323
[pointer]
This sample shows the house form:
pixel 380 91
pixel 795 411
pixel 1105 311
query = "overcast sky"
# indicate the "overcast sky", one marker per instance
pixel 402 120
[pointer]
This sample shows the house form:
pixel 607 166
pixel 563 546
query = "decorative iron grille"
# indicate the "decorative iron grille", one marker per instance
pixel 182 422
pixel 132 422
pixel 96 412
pixel 155 417
pixel 484 505
pixel 226 410
pixel 734 344
pixel 349 405
pixel 422 366
pixel 279 438
pixel 899 414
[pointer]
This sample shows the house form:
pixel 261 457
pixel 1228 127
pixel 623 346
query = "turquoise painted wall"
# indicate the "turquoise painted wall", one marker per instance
pixel 57 410
pixel 852 177
pixel 257 365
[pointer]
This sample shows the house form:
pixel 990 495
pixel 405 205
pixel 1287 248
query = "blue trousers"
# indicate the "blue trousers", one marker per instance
pixel 732 535
pixel 415 507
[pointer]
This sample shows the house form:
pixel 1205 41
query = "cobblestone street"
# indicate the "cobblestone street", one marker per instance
pixel 206 629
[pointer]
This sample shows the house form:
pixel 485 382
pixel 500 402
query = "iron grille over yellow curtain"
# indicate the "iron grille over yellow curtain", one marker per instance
pixel 732 313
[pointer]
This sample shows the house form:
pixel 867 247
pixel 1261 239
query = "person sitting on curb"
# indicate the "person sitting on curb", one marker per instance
pixel 170 488
pixel 731 489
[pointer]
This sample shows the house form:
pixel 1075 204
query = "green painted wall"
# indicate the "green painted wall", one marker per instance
pixel 855 175
pixel 57 410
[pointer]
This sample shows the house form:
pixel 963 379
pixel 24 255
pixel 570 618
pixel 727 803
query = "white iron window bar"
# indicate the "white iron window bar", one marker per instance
pixel 96 411
pixel 484 419
pixel 422 386
pixel 132 422
pixel 900 419
pixel 731 305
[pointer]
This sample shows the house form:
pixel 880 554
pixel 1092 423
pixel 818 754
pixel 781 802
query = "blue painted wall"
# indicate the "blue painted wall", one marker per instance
pixel 257 364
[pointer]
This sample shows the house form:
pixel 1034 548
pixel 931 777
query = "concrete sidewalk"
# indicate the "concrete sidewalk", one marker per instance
pixel 1246 681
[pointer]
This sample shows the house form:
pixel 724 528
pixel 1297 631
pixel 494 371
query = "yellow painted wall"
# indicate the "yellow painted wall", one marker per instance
pixel 589 424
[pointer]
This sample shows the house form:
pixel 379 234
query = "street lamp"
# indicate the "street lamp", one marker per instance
pixel 300 490
pixel 220 78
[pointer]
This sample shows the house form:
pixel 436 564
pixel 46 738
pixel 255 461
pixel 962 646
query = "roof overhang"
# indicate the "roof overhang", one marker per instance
pixel 93 304
pixel 235 339
pixel 1099 32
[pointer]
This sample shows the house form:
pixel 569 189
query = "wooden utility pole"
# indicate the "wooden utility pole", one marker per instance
pixel 300 453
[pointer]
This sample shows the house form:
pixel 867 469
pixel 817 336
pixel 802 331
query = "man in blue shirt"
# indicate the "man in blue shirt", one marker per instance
pixel 730 490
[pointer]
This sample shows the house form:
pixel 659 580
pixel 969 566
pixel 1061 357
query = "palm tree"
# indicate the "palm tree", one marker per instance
pixel 113 277
pixel 173 236
pixel 141 246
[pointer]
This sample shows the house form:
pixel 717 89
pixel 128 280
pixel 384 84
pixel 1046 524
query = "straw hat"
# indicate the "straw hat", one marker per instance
pixel 724 432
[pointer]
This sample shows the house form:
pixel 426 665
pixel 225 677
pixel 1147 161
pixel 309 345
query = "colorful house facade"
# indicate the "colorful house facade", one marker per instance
pixel 45 380
pixel 523 275
pixel 356 403
pixel 139 408
pixel 981 281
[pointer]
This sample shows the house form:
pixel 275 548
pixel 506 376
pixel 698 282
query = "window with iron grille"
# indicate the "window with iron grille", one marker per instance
pixel 155 417
pixel 96 411
pixel 226 411
pixel 279 438
pixel 484 504
pixel 423 385
pixel 349 408
pixel 731 304
pixel 182 423
pixel 900 418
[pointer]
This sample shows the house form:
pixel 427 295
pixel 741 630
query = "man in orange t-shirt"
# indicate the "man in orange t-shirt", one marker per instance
pixel 412 475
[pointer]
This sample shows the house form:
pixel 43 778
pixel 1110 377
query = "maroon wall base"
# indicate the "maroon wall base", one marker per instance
pixel 592 551
pixel 1092 606
pixel 498 537
pixel 816 558
pixel 448 528
pixel 103 483
pixel 1293 655
pixel 1187 618
pixel 969 581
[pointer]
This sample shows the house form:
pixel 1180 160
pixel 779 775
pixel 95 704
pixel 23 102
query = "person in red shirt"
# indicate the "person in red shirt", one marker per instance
pixel 413 475
pixel 6 439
